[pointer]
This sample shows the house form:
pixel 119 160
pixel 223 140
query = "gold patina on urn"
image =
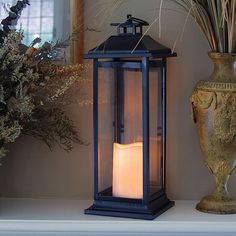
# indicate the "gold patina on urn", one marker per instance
pixel 214 112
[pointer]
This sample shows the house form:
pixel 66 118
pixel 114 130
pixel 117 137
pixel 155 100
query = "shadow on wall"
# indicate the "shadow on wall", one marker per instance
pixel 32 170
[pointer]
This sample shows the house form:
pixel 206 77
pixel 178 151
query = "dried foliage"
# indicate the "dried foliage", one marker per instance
pixel 33 92
pixel 217 21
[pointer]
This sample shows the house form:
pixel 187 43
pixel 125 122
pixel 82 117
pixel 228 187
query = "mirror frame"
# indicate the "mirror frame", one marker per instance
pixel 77 26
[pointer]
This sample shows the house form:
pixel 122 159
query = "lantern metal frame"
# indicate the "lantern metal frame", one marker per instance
pixel 144 61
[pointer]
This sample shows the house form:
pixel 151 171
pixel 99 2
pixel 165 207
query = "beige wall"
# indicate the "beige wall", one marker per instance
pixel 31 170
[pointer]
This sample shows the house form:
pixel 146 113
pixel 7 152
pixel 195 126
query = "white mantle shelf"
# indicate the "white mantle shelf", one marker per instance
pixel 65 217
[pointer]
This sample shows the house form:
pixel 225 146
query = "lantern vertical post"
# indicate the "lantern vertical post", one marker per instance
pixel 118 103
pixel 164 119
pixel 161 119
pixel 95 125
pixel 145 124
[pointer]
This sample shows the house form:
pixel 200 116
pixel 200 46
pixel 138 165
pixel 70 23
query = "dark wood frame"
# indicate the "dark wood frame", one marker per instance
pixel 77 25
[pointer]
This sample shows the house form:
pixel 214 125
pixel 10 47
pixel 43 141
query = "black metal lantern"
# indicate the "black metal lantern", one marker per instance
pixel 129 114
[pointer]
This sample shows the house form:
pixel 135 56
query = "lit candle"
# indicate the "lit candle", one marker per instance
pixel 128 170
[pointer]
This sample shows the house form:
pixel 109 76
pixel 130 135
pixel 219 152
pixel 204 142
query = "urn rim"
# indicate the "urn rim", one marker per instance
pixel 219 55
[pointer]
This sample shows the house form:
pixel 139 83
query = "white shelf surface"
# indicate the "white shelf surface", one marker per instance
pixel 66 217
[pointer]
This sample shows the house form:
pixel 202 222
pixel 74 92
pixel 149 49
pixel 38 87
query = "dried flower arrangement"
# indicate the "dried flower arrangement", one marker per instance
pixel 34 89
pixel 217 21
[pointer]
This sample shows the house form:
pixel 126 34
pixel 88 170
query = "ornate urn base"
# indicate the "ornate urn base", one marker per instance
pixel 214 112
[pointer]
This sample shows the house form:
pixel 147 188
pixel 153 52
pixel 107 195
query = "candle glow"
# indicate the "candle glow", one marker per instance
pixel 128 170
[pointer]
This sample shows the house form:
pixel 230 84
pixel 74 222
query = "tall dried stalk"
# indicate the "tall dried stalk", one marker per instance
pixel 217 21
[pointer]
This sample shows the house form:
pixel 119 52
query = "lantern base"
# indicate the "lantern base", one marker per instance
pixel 114 212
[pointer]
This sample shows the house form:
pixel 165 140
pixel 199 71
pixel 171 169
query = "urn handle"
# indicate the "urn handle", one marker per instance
pixel 193 112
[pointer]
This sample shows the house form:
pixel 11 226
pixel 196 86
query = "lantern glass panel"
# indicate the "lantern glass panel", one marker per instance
pixel 120 144
pixel 155 131
pixel 105 128
pixel 132 107
pixel 131 166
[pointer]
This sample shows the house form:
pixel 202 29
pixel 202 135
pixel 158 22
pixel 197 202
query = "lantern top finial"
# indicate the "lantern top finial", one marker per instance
pixel 132 26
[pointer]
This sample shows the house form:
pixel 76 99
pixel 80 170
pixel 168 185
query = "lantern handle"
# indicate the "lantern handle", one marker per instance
pixel 134 23
pixel 131 19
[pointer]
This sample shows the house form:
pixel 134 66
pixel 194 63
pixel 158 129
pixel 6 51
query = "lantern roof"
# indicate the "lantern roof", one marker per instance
pixel 130 42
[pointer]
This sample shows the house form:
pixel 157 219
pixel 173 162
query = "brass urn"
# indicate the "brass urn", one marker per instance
pixel 214 112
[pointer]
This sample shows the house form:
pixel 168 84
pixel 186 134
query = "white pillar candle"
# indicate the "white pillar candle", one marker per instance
pixel 128 170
